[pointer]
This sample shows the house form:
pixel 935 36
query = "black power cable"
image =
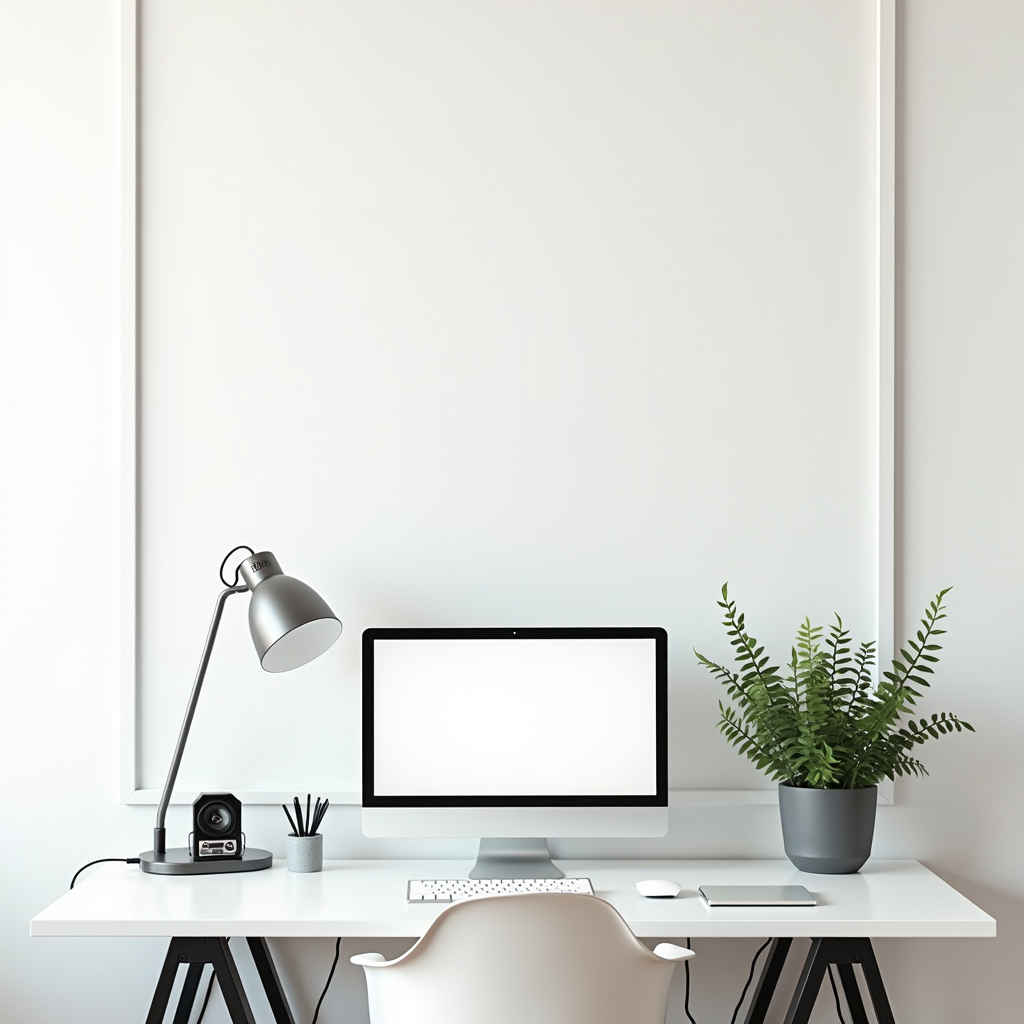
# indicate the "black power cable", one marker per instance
pixel 743 994
pixel 750 978
pixel 686 999
pixel 102 860
pixel 206 998
pixel 337 953
pixel 835 992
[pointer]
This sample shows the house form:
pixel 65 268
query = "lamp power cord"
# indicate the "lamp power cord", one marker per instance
pixel 102 860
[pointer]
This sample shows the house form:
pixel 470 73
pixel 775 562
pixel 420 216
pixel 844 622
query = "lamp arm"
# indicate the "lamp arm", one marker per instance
pixel 159 832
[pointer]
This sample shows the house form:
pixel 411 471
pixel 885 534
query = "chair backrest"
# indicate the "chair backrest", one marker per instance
pixel 537 958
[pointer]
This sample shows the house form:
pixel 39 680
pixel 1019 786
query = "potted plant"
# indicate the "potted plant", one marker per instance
pixel 825 732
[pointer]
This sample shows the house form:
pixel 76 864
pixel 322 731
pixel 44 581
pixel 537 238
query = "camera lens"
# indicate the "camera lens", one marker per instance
pixel 216 818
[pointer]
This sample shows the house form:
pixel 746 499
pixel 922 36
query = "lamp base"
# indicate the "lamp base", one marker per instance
pixel 178 861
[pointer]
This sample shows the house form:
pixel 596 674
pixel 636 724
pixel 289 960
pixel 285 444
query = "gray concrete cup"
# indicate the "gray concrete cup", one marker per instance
pixel 305 853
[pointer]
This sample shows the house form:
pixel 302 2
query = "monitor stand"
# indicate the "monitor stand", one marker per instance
pixel 514 858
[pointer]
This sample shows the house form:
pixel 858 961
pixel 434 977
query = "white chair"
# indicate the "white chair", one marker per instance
pixel 530 958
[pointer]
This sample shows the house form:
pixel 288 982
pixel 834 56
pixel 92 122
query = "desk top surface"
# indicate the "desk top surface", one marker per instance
pixel 366 898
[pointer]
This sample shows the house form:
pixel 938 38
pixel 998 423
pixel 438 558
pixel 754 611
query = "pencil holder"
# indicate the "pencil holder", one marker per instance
pixel 305 853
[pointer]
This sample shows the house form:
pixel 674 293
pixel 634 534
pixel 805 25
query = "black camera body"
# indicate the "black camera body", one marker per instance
pixel 216 827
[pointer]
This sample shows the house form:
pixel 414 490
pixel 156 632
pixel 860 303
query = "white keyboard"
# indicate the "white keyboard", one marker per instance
pixel 449 890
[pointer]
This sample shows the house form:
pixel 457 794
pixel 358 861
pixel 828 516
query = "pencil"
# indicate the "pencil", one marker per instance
pixel 298 816
pixel 289 817
pixel 320 816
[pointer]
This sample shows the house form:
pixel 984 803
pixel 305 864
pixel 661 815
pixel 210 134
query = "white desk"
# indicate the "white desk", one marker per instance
pixel 367 898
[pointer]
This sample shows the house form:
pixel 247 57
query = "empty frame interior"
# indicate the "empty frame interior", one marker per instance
pixel 474 313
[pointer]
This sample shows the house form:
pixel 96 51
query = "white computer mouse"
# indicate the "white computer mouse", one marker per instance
pixel 658 889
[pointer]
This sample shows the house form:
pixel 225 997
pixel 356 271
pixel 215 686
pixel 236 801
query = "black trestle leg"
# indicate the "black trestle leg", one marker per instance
pixel 196 952
pixel 188 994
pixel 852 991
pixel 873 977
pixel 845 953
pixel 809 984
pixel 271 982
pixel 767 982
pixel 164 984
pixel 230 983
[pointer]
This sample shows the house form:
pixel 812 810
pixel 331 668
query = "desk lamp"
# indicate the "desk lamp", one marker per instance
pixel 291 625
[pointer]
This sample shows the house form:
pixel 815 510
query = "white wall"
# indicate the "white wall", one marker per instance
pixel 961 264
pixel 59 127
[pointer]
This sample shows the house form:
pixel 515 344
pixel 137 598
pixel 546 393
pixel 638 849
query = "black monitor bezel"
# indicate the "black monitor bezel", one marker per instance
pixel 656 633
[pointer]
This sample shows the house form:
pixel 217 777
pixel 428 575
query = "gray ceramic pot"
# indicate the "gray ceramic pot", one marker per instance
pixel 828 831
pixel 305 853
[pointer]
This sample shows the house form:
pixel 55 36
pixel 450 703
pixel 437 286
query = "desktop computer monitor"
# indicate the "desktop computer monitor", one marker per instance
pixel 515 735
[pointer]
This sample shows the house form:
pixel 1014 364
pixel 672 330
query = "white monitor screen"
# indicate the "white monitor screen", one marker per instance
pixel 532 715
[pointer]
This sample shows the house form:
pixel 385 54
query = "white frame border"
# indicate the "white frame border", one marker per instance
pixel 885 408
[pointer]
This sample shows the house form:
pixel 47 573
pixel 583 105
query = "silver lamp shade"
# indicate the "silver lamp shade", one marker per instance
pixel 291 624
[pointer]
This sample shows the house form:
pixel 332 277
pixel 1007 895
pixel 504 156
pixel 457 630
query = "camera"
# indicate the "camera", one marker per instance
pixel 216 827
